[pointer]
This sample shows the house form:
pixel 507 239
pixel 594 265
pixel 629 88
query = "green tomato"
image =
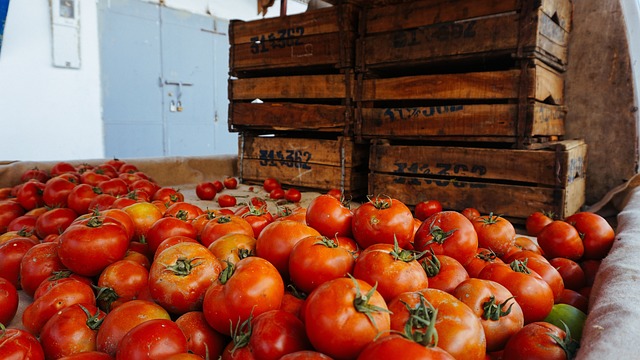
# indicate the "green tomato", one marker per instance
pixel 569 315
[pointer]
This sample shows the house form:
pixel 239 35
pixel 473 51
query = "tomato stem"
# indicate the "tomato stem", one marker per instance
pixel 241 334
pixel 405 255
pixel 493 310
pixel 325 241
pixel 94 222
pixel 569 345
pixel 183 266
pixel 361 302
pixel 520 266
pixel 431 265
pixel 420 327
pixel 107 295
pixel 227 273
pixel 93 321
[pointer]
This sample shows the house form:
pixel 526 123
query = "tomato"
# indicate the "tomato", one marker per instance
pixel 170 241
pixel 444 272
pixel 573 298
pixel 61 167
pixel 539 340
pixel 343 315
pixel 329 216
pixel 572 274
pixel 11 254
pixel 152 339
pixel 60 296
pixel 278 239
pixel 224 225
pixel 470 213
pixel 29 195
pixel 93 178
pixel 596 233
pixel 123 218
pixel 122 281
pixel 145 185
pixel 19 344
pixel 218 185
pixel 181 274
pixel 590 268
pixel 448 233
pixel 276 194
pixel 88 248
pixel 382 220
pixel 227 200
pixel 108 169
pixel 71 330
pixel 393 269
pixel 561 239
pixel 127 168
pixel 34 174
pixel 258 218
pixel 143 215
pixel 459 330
pixel 9 210
pixel 483 258
pixel 56 191
pixel 232 248
pixel 572 317
pixel 293 195
pixel 251 287
pixel 271 334
pixel 168 195
pixel 315 260
pixel 424 209
pixel 305 355
pixel 495 233
pixel 336 193
pixel 8 301
pixel 202 339
pixel 89 355
pixel 540 265
pixel 206 191
pixel 536 221
pixel 56 278
pixel 499 314
pixel 102 202
pixel 183 211
pixel 230 182
pixel 167 227
pixel 396 346
pixel 532 293
pixel 54 221
pixel 270 184
pixel 37 264
pixel 293 301
pixel 125 317
pixel 81 196
pixel 25 225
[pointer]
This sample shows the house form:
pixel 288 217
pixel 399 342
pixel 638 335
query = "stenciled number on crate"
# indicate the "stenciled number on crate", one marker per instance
pixel 287 158
pixel 408 113
pixel 444 169
pixel 417 181
pixel 440 32
pixel 279 40
pixel 576 169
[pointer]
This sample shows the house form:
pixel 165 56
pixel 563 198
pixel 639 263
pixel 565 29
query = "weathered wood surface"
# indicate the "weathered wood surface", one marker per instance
pixel 286 116
pixel 335 86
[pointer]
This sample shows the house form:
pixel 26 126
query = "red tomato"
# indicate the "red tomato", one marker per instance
pixel 37 264
pixel 590 268
pixel 34 174
pixel 483 258
pixel 206 191
pixel 81 196
pixel 125 317
pixel 572 274
pixel 539 340
pixel 293 195
pixel 93 178
pixel 128 168
pixel 168 227
pixel 393 269
pixel 561 239
pixel 270 184
pixel 329 216
pixel 122 281
pixel 61 167
pixel 54 221
pixel 448 233
pixel 251 287
pixel 278 239
pixel 143 215
pixel 170 241
pixel 181 274
pixel 56 191
pixel 168 195
pixel 494 233
pixel 218 185
pixel 183 211
pixel 8 301
pixel 336 193
pixel 11 254
pixel 540 265
pixel 397 346
pixel 334 319
pixel 316 260
pixel 499 314
pixel 232 248
pixel 575 299
pixel 536 221
pixel 202 339
pixel 444 272
pixel 276 194
pixel 9 210
pixel 224 225
pixel 382 220
pixel 145 185
pixel 19 344
pixel 102 202
pixel 424 209
pixel 230 183
pixel 152 339
pixel 305 355
pixel 257 217
pixel 25 225
pixel 227 200
pixel 29 195
pixel 470 213
pixel 596 233
pixel 71 330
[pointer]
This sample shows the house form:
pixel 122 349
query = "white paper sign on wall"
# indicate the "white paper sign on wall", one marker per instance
pixel 65 21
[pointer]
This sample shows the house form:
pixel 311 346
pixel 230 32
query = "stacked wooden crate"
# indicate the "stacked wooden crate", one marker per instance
pixel 291 95
pixel 463 101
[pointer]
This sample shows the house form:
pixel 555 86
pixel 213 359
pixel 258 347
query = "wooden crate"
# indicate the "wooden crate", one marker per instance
pixel 323 38
pixel 427 31
pixel 510 182
pixel 313 163
pixel 292 103
pixel 515 105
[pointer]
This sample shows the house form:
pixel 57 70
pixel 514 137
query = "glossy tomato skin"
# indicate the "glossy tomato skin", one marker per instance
pixel 540 265
pixel 167 227
pixel 536 222
pixel 122 281
pixel 535 341
pixel 230 182
pixel 152 339
pixel 424 209
pixel 54 221
pixel 81 196
pixel 561 239
pixel 276 194
pixel 495 233
pixel 71 330
pixel 482 258
pixel 39 263
pixel 226 200
pixel 329 216
pixel 572 274
pixel 232 248
pixel 293 195
pixel 270 184
pixel 56 191
pixel 19 344
pixel 253 287
pixel 597 234
pixel 333 324
pixel 202 339
pixel 143 215
pixel 305 355
pixel 396 346
pixel 448 233
pixel 11 254
pixel 8 301
pixel 224 225
pixel 383 220
pixel 206 191
pixel 444 272
pixel 29 195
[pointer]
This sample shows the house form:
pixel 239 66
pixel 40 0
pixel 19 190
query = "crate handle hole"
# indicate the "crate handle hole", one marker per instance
pixel 555 18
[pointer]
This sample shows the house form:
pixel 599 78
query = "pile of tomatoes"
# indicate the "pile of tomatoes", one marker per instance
pixel 118 267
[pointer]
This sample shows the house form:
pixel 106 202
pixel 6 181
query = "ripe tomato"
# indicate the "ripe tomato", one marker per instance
pixel 448 233
pixel 167 227
pixel 8 301
pixel 125 317
pixel 145 185
pixel 499 314
pixel 19 344
pixel 561 239
pixel 206 191
pixel 394 270
pixel 316 260
pixel 81 196
pixel 115 187
pixel 539 340
pixel 29 195
pixel 540 265
pixel 329 216
pixel 382 220
pixel 483 258
pixel 202 339
pixel 71 330
pixel 93 178
pixel 397 346
pixel 590 268
pixel 227 200
pixel 102 202
pixel 251 287
pixel 168 195
pixel 424 209
pixel 269 184
pixel 88 247
pixel 470 213
pixel 56 191
pixel 572 274
pixel 596 233
pixel 37 264
pixel 257 217
pixel 336 193
pixel 232 248
pixel 122 281
pixel 293 195
pixel 343 315
pixel 152 339
pixel 230 183
pixel 495 233
pixel 25 225
pixel 276 194
pixel 54 221
pixel 183 211
pixel 34 174
pixel 575 299
pixel 11 254
pixel 9 210
pixel 218 185
pixel 143 215
pixel 536 221
pixel 224 225
pixel 181 274
pixel 305 355
pixel 170 241
pixel 444 272
pixel 278 239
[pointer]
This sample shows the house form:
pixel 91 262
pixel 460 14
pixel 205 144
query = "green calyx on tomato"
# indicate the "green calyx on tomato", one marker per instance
pixel 488 256
pixel 569 345
pixel 94 222
pixel 431 265
pixel 493 310
pixel 420 327
pixel 223 219
pixel 380 203
pixel 439 235
pixel 241 334
pixel 491 219
pixel 325 241
pixel 403 254
pixel 183 266
pixel 520 266
pixel 296 292
pixel 182 215
pixel 93 321
pixel 227 273
pixel 361 302
pixel 60 274
pixel 105 295
pixel 245 253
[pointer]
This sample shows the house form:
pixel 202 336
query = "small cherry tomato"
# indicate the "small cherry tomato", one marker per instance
pixel 424 209
pixel 206 191
pixel 276 194
pixel 293 195
pixel 230 182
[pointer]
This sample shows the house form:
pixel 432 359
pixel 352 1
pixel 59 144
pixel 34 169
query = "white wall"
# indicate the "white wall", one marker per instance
pixel 631 11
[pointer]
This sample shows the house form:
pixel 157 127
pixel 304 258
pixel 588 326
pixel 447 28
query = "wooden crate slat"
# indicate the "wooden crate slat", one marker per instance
pixel 333 86
pixel 288 116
